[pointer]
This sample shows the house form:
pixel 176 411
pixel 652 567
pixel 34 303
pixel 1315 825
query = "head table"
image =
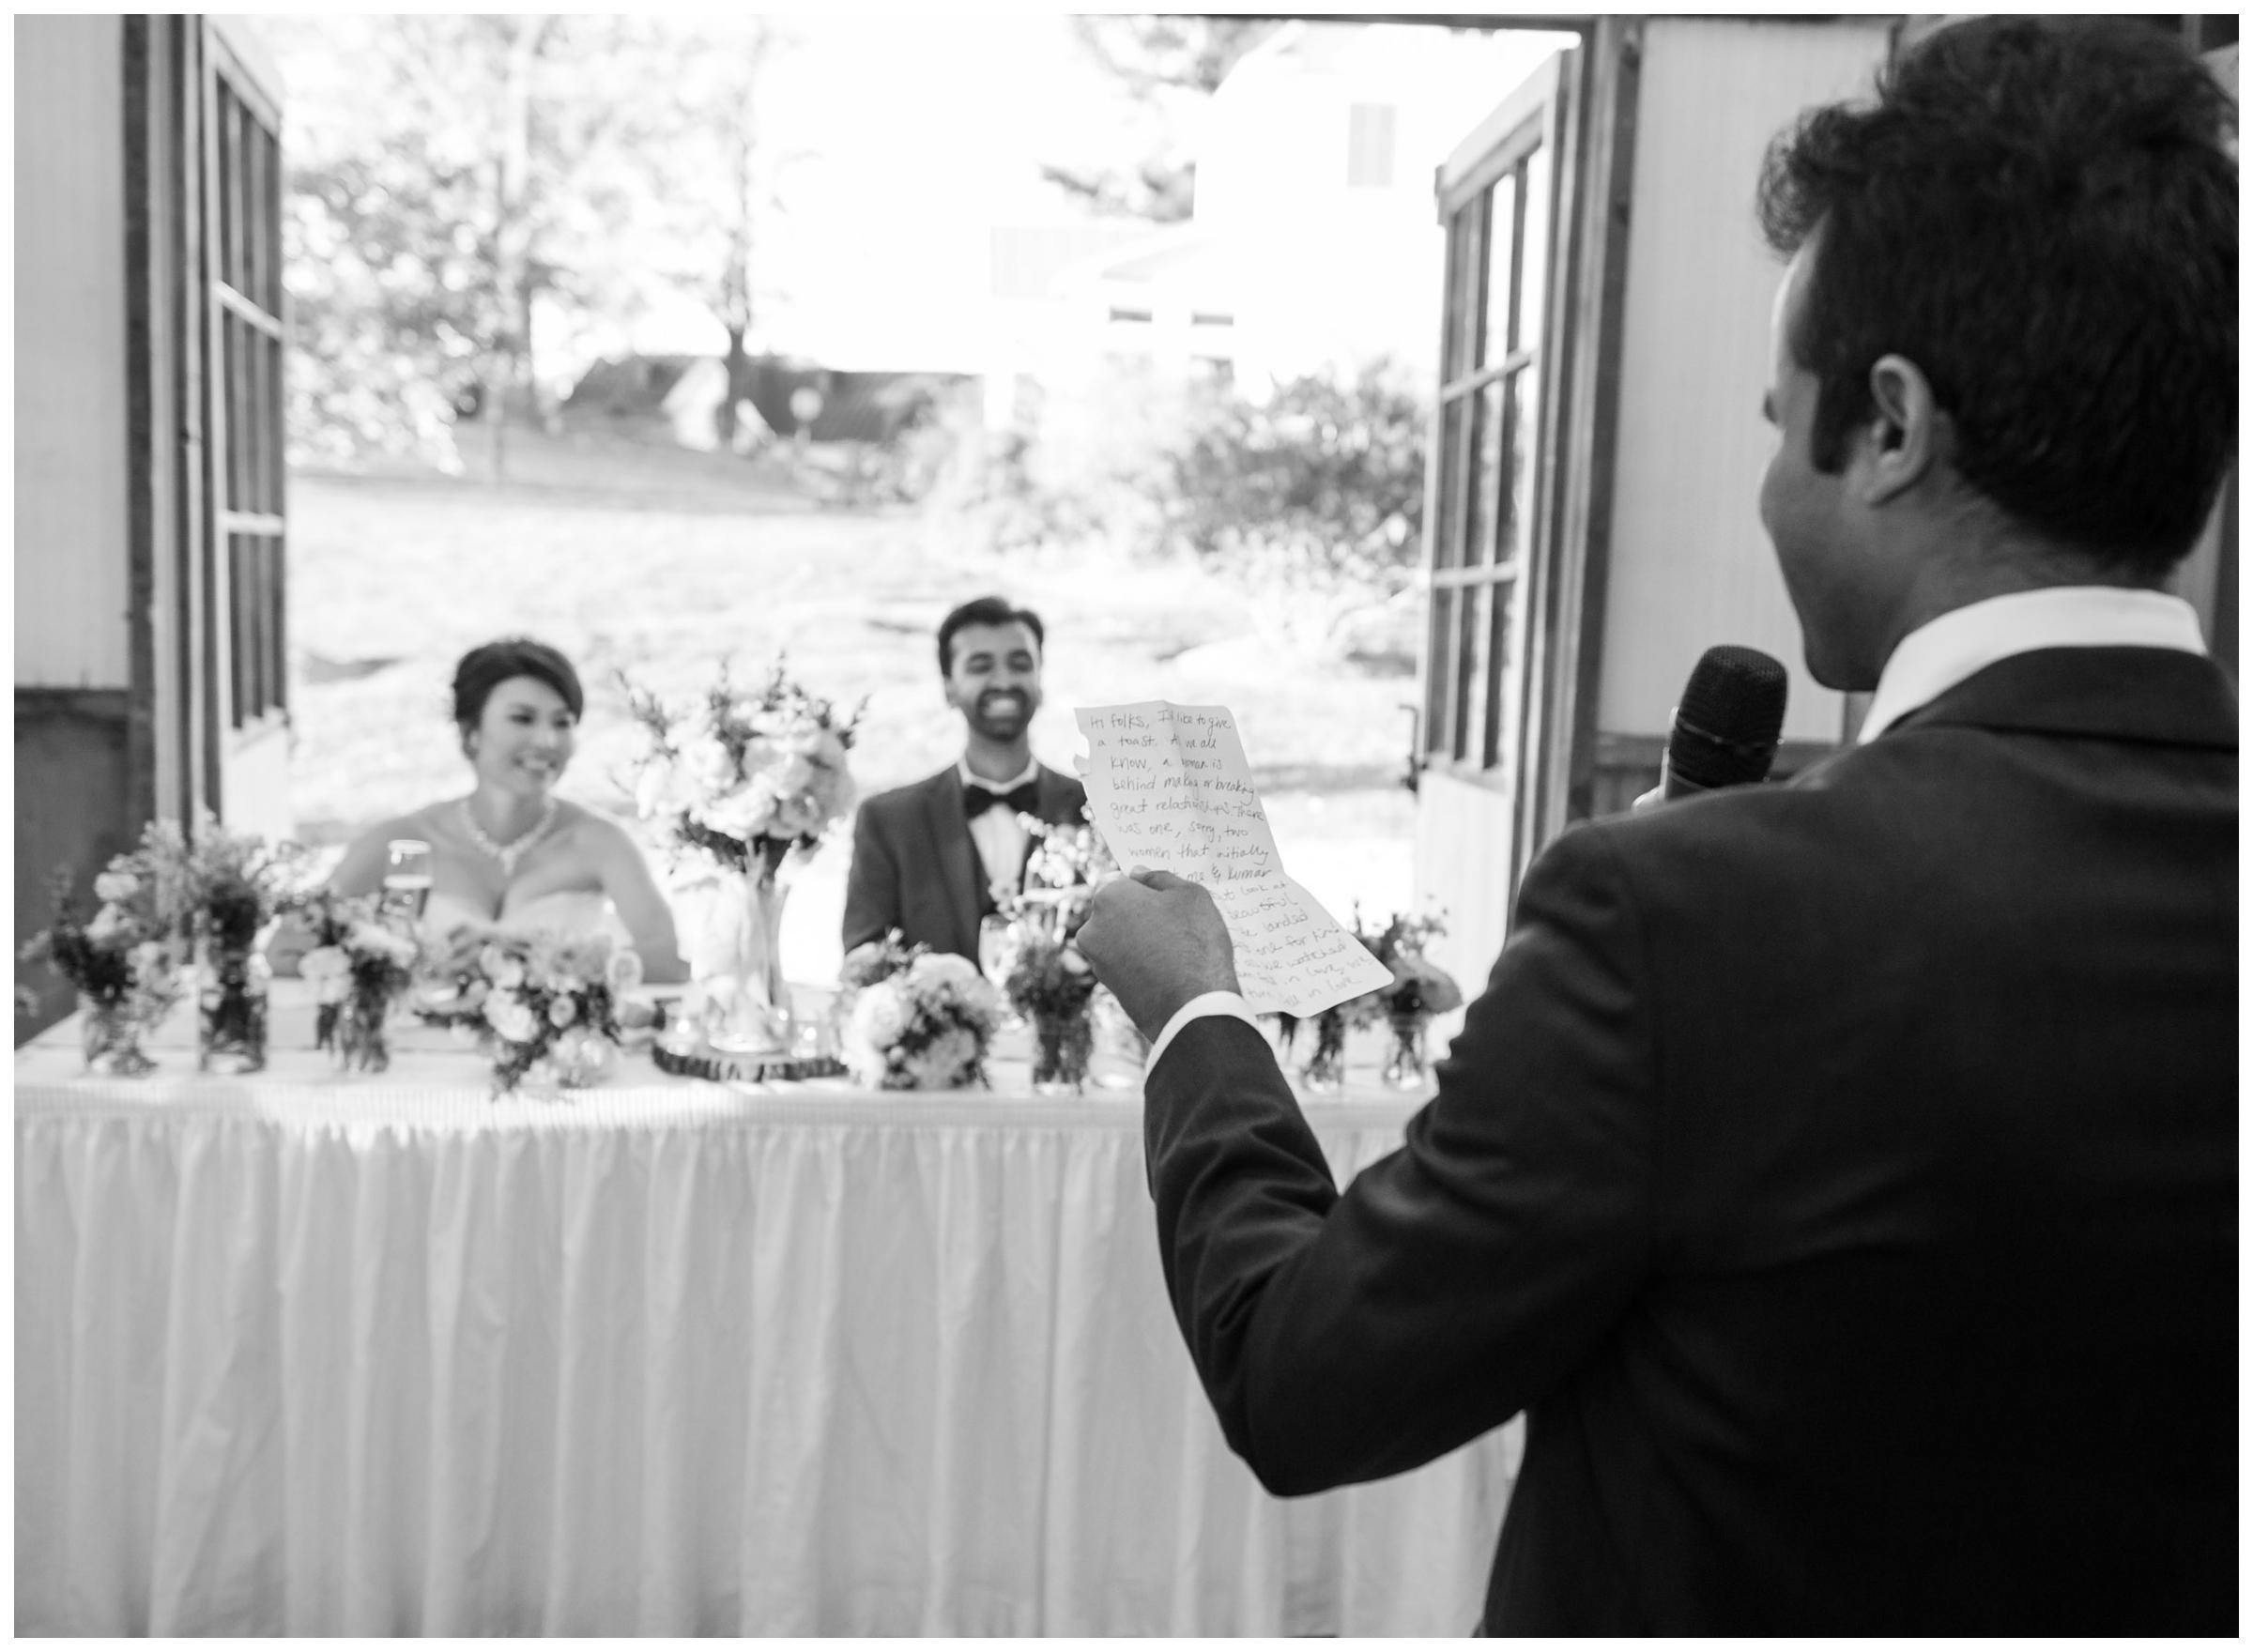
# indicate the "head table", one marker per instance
pixel 307 1354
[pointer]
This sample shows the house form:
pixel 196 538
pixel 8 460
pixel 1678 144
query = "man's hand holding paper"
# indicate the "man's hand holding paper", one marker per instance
pixel 1170 789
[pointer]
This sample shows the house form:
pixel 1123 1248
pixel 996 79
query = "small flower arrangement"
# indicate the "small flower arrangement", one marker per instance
pixel 124 961
pixel 1049 977
pixel 1419 990
pixel 546 1006
pixel 359 969
pixel 742 778
pixel 1051 985
pixel 235 883
pixel 919 1020
pixel 1419 987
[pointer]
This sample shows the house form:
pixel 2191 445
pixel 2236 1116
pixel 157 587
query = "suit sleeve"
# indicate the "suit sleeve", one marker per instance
pixel 1346 1337
pixel 872 885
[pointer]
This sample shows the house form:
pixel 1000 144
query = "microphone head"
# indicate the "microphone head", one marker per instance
pixel 1731 717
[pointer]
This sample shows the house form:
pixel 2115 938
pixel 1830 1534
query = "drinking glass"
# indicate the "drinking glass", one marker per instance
pixel 406 880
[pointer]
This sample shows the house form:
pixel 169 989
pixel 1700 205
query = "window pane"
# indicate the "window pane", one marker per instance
pixel 1516 537
pixel 1495 345
pixel 1439 678
pixel 1470 650
pixel 1498 744
pixel 1530 321
pixel 1470 287
pixel 1488 496
pixel 1447 533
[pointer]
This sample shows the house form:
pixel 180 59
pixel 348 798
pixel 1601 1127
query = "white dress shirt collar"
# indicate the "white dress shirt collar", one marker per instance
pixel 1942 653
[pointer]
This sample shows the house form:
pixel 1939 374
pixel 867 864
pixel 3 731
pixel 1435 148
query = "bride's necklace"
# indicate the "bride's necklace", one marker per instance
pixel 508 853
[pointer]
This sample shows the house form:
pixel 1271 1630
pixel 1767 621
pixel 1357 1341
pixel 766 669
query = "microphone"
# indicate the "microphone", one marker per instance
pixel 1726 728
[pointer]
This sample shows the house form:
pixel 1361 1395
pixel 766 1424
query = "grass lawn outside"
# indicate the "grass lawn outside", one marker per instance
pixel 661 564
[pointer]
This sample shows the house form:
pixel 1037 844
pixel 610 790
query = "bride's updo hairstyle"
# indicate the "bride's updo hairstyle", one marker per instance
pixel 486 668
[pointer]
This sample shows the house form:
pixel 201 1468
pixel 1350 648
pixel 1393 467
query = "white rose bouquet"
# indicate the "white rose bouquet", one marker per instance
pixel 742 778
pixel 919 1020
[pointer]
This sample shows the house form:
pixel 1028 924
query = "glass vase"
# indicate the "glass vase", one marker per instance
pixel 1062 1040
pixel 746 1001
pixel 361 1040
pixel 1325 1071
pixel 1404 1053
pixel 110 1032
pixel 231 1011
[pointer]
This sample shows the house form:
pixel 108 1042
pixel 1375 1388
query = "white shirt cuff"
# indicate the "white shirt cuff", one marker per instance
pixel 1204 1003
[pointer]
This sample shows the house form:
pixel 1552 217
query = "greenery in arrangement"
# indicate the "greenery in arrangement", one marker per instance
pixel 1049 978
pixel 1419 987
pixel 235 883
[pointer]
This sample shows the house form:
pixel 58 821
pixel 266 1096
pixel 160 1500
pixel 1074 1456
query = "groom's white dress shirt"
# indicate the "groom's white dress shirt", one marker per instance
pixel 1000 840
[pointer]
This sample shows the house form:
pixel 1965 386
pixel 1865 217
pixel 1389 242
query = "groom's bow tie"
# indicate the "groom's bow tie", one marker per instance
pixel 1022 800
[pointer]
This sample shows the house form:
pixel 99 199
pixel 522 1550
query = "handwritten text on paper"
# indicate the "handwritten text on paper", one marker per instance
pixel 1168 788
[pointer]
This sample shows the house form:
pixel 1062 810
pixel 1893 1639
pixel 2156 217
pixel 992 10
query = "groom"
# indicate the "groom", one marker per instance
pixel 932 859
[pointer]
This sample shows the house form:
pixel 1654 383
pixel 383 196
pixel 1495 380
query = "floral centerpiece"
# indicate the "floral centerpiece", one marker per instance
pixel 918 1020
pixel 235 883
pixel 124 960
pixel 359 968
pixel 544 1006
pixel 745 783
pixel 1051 985
pixel 1043 974
pixel 1419 990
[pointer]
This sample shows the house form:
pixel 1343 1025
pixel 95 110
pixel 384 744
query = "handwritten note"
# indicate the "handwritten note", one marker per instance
pixel 1168 788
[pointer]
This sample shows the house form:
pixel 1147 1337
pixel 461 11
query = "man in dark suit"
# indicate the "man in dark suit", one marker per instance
pixel 1841 1175
pixel 930 860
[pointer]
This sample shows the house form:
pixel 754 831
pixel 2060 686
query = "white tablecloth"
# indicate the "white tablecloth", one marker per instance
pixel 305 1355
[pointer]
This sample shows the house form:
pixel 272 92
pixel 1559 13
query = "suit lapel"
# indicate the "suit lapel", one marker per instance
pixel 1060 798
pixel 958 857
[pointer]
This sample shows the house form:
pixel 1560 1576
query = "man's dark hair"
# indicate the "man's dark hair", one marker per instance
pixel 488 665
pixel 2040 214
pixel 985 611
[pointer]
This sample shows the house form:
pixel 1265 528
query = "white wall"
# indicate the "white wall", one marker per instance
pixel 69 338
pixel 1689 563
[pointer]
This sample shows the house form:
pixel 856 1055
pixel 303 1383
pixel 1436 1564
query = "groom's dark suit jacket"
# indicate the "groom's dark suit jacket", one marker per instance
pixel 1842 1175
pixel 916 869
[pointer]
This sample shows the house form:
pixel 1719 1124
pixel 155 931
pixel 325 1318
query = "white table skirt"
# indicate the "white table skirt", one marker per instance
pixel 309 1356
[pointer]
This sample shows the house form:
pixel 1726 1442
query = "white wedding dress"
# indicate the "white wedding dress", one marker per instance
pixel 561 911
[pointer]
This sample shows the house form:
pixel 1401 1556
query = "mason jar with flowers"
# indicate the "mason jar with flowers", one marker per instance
pixel 1419 990
pixel 1052 986
pixel 125 961
pixel 237 884
pixel 743 786
pixel 359 968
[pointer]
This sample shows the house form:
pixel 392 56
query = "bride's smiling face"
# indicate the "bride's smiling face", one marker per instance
pixel 523 737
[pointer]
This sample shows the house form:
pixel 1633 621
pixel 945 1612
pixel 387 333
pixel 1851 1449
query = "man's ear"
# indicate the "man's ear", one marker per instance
pixel 1905 436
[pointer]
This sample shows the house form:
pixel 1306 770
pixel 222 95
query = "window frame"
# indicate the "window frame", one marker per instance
pixel 1477 694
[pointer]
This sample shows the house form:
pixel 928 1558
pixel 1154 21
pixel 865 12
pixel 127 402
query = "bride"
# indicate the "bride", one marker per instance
pixel 512 854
